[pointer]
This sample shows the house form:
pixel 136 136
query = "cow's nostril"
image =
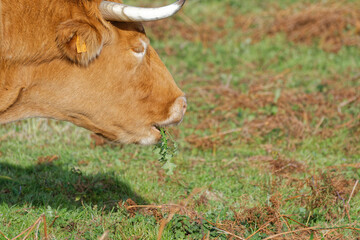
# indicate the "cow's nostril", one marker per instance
pixel 184 107
pixel 181 104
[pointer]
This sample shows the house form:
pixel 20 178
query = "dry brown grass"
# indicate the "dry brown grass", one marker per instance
pixel 332 24
pixel 324 189
pixel 297 114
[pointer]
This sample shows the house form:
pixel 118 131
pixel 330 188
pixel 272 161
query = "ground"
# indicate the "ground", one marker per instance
pixel 269 147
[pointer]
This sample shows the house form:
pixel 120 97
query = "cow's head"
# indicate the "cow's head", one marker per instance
pixel 104 75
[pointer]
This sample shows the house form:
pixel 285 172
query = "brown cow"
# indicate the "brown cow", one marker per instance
pixel 88 62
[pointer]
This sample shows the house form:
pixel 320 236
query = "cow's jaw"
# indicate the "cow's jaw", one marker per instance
pixel 153 137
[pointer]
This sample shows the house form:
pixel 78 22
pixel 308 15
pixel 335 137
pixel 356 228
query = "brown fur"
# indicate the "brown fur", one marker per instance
pixel 105 89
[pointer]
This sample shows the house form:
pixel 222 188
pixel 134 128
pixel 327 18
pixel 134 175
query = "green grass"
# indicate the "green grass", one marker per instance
pixel 83 193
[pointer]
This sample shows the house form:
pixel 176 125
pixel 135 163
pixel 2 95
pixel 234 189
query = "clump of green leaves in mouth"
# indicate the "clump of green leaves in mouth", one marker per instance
pixel 167 149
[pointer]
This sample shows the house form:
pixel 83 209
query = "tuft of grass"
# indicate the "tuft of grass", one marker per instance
pixel 166 149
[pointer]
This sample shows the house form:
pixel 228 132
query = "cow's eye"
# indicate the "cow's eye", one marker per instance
pixel 140 50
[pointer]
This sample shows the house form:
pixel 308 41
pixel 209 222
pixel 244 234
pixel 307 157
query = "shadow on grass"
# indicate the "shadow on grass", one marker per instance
pixel 56 186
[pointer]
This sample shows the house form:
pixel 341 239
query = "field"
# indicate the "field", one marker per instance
pixel 269 147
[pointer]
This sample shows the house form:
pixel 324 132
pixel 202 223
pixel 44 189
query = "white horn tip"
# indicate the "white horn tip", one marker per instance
pixel 120 12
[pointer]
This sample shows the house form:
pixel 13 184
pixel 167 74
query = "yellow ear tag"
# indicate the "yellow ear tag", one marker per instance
pixel 80 45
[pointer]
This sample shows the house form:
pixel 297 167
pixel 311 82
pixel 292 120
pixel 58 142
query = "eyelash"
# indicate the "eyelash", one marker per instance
pixel 139 50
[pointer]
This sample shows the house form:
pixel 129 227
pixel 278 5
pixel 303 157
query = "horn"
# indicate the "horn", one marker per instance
pixel 123 13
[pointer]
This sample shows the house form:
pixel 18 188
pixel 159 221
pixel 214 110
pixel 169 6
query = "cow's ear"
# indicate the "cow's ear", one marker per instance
pixel 80 41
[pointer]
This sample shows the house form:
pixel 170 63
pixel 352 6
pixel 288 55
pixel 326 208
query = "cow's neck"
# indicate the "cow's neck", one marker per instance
pixel 14 79
pixel 23 89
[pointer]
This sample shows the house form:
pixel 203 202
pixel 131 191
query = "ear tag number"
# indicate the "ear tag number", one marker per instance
pixel 80 45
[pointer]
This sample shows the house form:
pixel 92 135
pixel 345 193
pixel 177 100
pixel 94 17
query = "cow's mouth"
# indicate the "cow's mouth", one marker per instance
pixel 157 128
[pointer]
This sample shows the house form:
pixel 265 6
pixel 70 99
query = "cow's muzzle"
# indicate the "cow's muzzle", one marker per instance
pixel 176 113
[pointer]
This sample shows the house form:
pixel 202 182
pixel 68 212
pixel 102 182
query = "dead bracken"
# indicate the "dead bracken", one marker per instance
pixel 324 189
pixel 269 108
pixel 333 25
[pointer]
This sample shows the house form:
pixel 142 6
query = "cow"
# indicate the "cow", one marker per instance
pixel 88 62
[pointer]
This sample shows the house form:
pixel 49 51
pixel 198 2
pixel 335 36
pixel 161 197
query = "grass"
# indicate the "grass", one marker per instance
pixel 270 144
